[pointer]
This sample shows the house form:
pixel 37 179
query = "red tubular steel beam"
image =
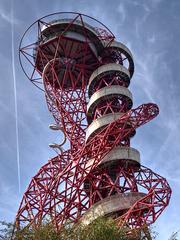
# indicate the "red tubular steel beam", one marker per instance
pixel 81 63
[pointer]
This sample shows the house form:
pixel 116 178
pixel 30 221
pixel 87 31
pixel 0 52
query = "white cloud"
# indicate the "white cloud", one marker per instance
pixel 7 17
pixel 122 11
pixel 152 39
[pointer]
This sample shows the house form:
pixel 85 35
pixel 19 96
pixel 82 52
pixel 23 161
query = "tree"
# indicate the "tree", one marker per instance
pixel 100 229
pixel 174 236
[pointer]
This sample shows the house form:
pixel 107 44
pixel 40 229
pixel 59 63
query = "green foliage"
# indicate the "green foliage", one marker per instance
pixel 174 236
pixel 6 230
pixel 100 229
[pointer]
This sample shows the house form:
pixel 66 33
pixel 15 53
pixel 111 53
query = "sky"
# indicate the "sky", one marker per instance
pixel 151 29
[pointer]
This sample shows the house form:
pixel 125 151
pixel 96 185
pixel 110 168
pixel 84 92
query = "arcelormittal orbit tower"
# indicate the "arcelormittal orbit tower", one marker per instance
pixel 85 73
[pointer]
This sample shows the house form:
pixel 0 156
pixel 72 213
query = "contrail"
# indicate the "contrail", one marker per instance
pixel 15 96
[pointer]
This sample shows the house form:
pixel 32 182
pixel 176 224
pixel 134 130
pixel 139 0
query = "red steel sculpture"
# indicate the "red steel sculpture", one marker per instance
pixel 85 73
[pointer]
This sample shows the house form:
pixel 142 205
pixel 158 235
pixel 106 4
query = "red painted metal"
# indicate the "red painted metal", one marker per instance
pixel 69 184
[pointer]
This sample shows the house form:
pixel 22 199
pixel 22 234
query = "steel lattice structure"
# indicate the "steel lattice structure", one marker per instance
pixel 85 74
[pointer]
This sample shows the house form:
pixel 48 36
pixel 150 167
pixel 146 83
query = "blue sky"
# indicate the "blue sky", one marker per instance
pixel 150 28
